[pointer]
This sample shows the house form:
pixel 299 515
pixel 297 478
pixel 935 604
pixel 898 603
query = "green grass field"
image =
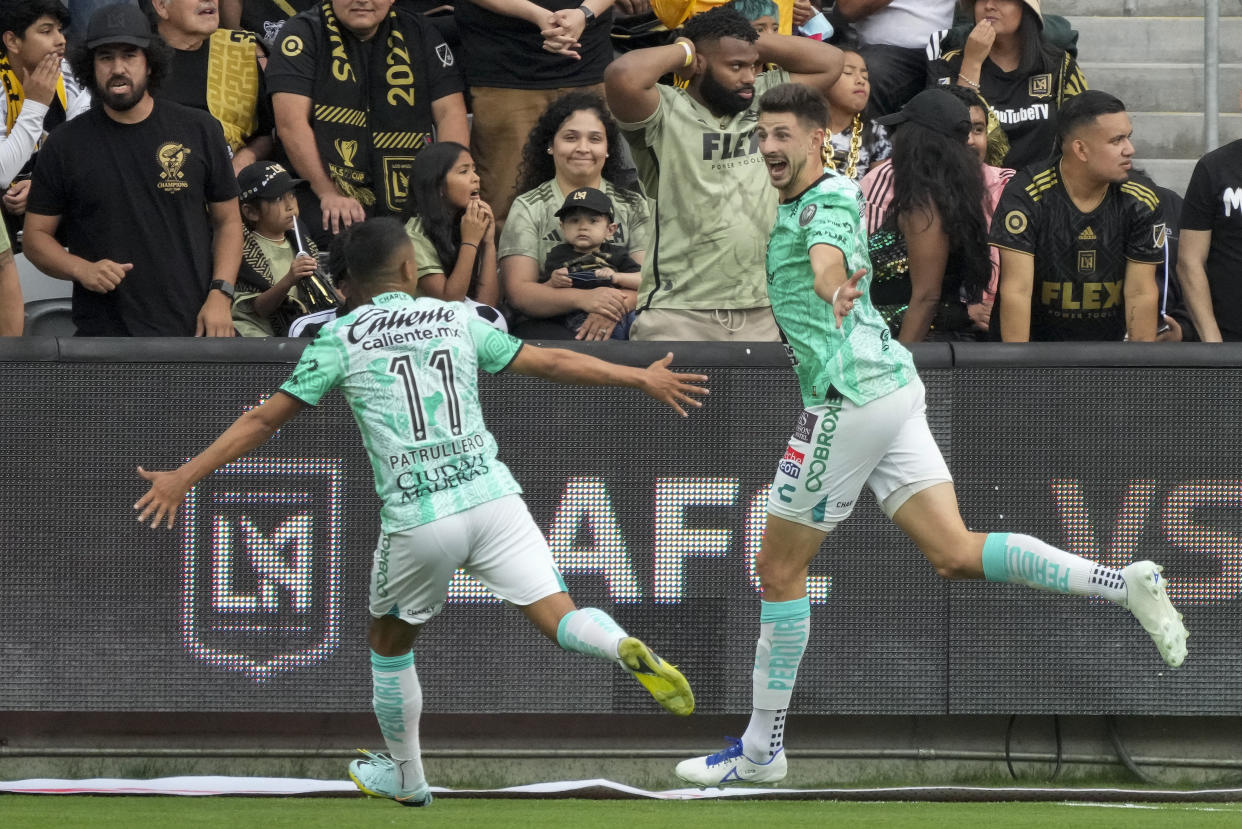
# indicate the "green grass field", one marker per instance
pixel 38 811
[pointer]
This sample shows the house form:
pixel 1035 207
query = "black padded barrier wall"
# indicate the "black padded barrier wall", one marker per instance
pixel 256 602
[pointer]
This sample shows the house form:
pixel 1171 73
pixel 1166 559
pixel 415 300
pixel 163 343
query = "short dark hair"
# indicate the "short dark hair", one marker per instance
pixel 159 61
pixel 371 246
pixel 1084 108
pixel 17 16
pixel 802 101
pixel 718 22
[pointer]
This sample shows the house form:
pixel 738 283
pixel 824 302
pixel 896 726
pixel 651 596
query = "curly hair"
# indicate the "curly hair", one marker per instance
pixel 935 171
pixel 538 165
pixel 718 22
pixel 159 61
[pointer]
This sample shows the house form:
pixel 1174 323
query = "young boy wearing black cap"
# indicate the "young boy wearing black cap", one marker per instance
pixel 278 281
pixel 587 258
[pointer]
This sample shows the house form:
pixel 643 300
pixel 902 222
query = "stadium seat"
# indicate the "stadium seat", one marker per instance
pixel 49 318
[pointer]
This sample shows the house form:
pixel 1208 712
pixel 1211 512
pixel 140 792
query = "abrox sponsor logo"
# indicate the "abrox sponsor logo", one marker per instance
pixel 823 446
pixel 791 464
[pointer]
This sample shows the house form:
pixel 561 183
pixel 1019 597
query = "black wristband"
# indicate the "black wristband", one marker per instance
pixel 588 13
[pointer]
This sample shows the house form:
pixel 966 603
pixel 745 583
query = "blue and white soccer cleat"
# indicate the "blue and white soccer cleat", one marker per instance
pixel 731 766
pixel 380 776
pixel 1148 600
pixel 664 681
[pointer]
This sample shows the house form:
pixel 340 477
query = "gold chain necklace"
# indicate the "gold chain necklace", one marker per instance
pixel 851 160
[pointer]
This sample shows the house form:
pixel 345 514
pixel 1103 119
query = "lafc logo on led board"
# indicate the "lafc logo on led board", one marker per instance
pixel 262 566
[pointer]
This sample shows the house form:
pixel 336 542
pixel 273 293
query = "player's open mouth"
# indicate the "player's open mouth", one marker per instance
pixel 776 166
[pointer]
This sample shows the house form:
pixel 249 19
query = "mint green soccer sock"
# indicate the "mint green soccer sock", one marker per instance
pixel 397 698
pixel 1024 559
pixel 591 631
pixel 784 630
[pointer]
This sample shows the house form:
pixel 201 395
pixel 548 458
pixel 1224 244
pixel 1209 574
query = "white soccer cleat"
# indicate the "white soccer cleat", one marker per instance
pixel 731 766
pixel 1147 599
pixel 380 776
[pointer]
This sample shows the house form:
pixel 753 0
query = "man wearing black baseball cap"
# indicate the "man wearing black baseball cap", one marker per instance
pixel 143 193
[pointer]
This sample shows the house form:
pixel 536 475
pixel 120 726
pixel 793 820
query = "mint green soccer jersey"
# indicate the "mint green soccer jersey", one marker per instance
pixel 409 370
pixel 860 359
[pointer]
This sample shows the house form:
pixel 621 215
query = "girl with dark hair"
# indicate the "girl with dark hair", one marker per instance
pixel 1007 59
pixel 936 219
pixel 856 143
pixel 448 223
pixel 573 145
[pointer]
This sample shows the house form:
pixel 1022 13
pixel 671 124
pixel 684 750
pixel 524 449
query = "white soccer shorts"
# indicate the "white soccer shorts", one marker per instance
pixel 837 447
pixel 497 542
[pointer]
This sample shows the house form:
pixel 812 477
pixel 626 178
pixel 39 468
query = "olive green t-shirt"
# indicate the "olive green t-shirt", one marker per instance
pixel 425 256
pixel 712 204
pixel 246 320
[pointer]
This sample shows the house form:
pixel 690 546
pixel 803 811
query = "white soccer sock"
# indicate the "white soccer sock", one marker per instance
pixel 1024 559
pixel 784 630
pixel 397 698
pixel 591 631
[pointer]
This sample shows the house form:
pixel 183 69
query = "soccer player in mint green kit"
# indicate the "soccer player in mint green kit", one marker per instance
pixel 865 423
pixel 408 368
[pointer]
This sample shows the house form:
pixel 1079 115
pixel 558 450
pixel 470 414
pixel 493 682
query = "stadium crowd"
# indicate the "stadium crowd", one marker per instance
pixel 586 170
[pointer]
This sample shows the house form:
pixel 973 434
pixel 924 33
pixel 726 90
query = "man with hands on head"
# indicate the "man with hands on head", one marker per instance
pixel 699 160
pixel 142 192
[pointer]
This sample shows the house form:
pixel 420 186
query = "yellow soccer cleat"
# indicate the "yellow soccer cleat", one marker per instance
pixel 663 680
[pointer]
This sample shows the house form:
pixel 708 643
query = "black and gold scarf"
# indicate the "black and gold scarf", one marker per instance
pixel 369 151
pixel 15 96
pixel 314 293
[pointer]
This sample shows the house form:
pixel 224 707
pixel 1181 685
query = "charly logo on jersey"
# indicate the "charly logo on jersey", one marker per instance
pixel 171 157
pixel 262 542
pixel 807 214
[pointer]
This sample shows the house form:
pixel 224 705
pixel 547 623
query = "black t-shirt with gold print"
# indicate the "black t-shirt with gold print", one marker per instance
pixel 1080 258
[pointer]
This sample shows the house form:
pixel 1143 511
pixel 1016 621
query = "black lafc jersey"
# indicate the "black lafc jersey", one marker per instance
pixel 1080 258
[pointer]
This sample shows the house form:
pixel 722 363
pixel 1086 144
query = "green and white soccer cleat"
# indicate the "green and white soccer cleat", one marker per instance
pixel 1148 600
pixel 663 680
pixel 732 766
pixel 380 776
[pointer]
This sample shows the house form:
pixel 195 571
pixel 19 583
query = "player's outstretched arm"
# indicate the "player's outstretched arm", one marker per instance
pixel 249 431
pixel 670 387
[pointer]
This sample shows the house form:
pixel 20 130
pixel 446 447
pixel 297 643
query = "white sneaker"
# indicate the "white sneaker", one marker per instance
pixel 1147 599
pixel 732 766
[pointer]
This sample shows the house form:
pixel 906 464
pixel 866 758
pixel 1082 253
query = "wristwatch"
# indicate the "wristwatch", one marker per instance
pixel 587 13
pixel 223 287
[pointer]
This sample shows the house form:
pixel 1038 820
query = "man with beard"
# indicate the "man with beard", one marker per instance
pixel 143 194
pixel 698 159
